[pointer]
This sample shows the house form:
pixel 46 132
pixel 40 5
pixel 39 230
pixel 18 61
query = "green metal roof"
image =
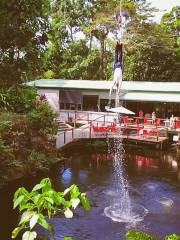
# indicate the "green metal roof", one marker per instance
pixel 105 85
pixel 151 96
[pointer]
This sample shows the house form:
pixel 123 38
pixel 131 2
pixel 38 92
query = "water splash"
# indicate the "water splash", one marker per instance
pixel 122 209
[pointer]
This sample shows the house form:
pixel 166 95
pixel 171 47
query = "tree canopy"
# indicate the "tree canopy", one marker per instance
pixel 75 40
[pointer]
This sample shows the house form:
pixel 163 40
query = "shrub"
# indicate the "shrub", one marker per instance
pixel 138 235
pixel 39 161
pixel 42 119
pixel 19 100
pixel 172 237
pixel 27 126
pixel 23 148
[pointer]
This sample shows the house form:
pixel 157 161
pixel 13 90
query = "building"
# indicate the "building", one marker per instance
pixel 162 97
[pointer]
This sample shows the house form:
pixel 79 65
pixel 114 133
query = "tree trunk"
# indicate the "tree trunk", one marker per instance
pixel 90 42
pixel 102 59
pixel 71 33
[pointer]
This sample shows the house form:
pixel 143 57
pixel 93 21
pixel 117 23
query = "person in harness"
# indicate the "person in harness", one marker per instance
pixel 117 67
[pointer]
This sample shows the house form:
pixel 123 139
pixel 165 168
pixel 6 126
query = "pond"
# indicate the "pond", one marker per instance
pixel 153 182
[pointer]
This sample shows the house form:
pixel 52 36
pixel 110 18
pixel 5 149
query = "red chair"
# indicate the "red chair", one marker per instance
pixel 126 120
pixel 153 132
pixel 114 128
pixel 145 133
pixel 136 121
pixel 178 124
pixel 146 121
pixel 139 129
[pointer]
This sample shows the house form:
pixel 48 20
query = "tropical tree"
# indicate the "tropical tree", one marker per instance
pixel 23 36
pixel 171 21
pixel 150 54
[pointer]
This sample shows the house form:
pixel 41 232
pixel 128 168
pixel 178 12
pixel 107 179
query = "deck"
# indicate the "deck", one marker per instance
pixel 100 125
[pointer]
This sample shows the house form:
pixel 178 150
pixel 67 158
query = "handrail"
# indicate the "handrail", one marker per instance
pixel 162 120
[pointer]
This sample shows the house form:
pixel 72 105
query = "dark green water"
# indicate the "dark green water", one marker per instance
pixel 154 182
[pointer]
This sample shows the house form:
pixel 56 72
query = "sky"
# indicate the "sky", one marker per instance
pixel 163 6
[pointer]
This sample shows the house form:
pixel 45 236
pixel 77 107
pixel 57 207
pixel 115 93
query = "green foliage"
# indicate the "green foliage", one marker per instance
pixel 23 35
pixel 27 127
pixel 138 235
pixel 23 147
pixel 37 160
pixel 172 237
pixel 78 62
pixel 19 100
pixel 42 203
pixel 49 74
pixel 42 119
pixel 28 25
pixel 150 53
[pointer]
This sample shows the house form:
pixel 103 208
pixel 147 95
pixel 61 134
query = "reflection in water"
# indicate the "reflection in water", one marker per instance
pixel 167 161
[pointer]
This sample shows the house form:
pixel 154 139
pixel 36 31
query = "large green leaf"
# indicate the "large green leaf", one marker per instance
pixel 74 192
pixel 16 231
pixel 68 213
pixel 47 184
pixel 75 202
pixel 42 221
pixel 58 199
pixel 29 235
pixel 85 201
pixel 26 216
pixel 38 187
pixel 33 220
pixel 18 201
pixel 50 200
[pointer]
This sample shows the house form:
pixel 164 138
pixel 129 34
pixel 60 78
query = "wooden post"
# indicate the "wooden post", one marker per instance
pixel 90 128
pixel 88 117
pixel 75 119
pixel 72 133
pixel 157 136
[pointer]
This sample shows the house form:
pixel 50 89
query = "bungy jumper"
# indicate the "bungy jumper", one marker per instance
pixel 118 73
